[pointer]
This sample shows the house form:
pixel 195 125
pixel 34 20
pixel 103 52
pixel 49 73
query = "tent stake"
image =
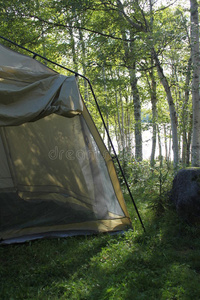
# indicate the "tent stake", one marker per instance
pixel 99 110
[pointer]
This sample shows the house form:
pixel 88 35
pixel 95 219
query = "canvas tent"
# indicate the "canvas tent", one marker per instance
pixel 56 175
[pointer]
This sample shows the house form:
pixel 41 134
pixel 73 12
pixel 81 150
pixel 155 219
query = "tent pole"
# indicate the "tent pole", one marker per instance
pixel 115 154
pixel 99 110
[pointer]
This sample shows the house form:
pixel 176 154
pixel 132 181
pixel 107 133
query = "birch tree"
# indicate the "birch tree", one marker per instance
pixel 195 82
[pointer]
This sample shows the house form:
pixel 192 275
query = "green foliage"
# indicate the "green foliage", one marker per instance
pixel 106 42
pixel 146 182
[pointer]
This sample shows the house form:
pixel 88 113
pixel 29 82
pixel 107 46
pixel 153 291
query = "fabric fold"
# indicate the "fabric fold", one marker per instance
pixel 30 91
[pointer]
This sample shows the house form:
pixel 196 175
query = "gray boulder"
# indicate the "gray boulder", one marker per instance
pixel 185 194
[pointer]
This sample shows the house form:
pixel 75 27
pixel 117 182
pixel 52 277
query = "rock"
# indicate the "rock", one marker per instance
pixel 185 194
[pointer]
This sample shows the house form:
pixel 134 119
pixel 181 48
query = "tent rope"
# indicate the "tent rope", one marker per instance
pixel 100 113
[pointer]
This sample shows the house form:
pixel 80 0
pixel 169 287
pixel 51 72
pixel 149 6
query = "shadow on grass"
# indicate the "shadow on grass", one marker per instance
pixel 163 263
pixel 28 269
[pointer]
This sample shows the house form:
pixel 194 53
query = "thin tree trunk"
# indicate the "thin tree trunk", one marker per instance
pixel 154 113
pixel 170 144
pixel 128 124
pixel 153 93
pixel 119 122
pixel 83 61
pixel 107 114
pixel 117 135
pixel 122 118
pixel 195 82
pixel 73 48
pixel 189 141
pixel 185 117
pixel 165 138
pixel 153 148
pixel 137 113
pixel 159 146
pixel 173 116
pixel 131 65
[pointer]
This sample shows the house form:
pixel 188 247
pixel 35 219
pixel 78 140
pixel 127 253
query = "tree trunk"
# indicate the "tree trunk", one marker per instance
pixel 153 92
pixel 131 65
pixel 185 117
pixel 160 146
pixel 107 113
pixel 172 109
pixel 83 62
pixel 154 112
pixel 127 122
pixel 195 82
pixel 137 113
pixel 119 123
pixel 73 47
pixel 128 131
pixel 188 152
pixel 122 118
pixel 166 146
pixel 117 135
pixel 170 144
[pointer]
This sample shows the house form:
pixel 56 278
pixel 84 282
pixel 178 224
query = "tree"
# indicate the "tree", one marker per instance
pixel 195 82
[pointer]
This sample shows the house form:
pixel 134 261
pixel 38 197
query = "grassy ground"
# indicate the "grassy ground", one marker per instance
pixel 161 263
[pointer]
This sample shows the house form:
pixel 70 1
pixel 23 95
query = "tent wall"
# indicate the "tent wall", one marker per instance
pixel 62 180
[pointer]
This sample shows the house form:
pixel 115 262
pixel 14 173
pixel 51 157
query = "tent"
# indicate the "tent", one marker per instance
pixel 56 176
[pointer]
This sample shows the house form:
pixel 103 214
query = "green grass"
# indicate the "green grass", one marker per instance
pixel 161 263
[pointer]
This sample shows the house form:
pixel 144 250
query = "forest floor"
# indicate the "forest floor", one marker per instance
pixel 161 263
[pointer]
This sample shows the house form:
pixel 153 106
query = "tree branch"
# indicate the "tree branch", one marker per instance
pixel 127 18
pixel 78 27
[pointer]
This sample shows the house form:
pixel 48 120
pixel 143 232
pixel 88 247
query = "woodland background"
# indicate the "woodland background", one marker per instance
pixel 142 58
